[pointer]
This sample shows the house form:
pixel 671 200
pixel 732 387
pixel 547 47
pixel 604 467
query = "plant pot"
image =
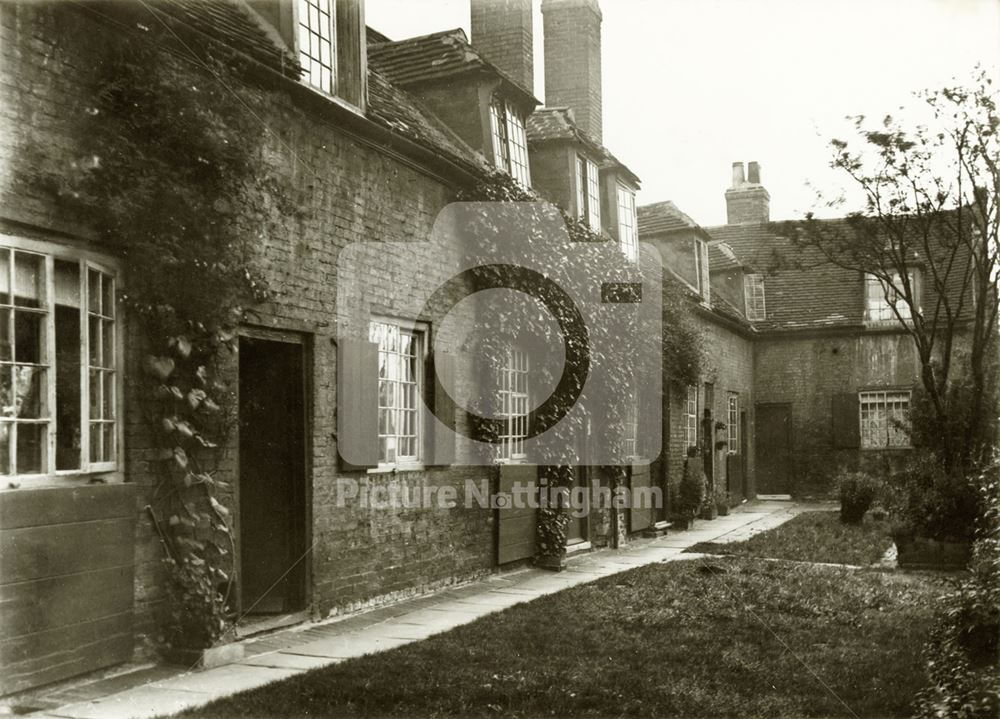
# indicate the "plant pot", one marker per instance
pixel 723 509
pixel 914 552
pixel 681 523
pixel 709 512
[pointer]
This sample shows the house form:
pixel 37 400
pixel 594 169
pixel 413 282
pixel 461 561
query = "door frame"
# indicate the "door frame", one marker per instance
pixel 306 342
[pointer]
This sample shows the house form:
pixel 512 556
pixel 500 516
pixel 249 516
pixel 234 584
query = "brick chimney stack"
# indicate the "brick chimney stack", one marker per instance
pixel 573 60
pixel 502 31
pixel 747 202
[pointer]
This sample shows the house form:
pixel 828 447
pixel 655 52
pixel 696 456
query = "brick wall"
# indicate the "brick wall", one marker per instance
pixel 502 32
pixel 351 193
pixel 806 372
pixel 747 205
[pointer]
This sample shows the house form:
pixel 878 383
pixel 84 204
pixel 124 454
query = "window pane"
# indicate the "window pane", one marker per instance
pixel 7 406
pixel 95 394
pixel 96 341
pixel 4 277
pixel 28 335
pixel 6 429
pixel 30 448
pixel 29 279
pixel 108 398
pixel 96 442
pixel 6 347
pixel 29 387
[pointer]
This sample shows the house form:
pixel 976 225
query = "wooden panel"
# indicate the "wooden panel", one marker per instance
pixel 58 505
pixel 516 527
pixel 734 475
pixel 39 604
pixel 357 404
pixel 640 518
pixel 351 61
pixel 62 652
pixel 773 447
pixel 55 549
pixel 845 423
pixel 441 437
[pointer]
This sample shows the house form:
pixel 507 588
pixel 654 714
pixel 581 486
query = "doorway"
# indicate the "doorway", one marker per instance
pixel 272 484
pixel 773 444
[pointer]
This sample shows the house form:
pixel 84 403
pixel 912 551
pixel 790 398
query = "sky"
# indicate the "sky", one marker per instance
pixel 690 86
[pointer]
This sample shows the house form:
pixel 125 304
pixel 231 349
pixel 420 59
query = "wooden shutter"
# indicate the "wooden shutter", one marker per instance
pixel 357 404
pixel 845 424
pixel 516 526
pixel 640 480
pixel 439 436
pixel 351 60
pixel 649 434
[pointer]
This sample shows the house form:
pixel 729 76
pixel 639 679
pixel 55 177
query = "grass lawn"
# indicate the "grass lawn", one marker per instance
pixel 813 537
pixel 667 640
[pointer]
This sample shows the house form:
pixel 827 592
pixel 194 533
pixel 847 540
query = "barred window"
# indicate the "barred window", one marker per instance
pixel 880 298
pixel 627 238
pixel 733 423
pixel 400 368
pixel 691 416
pixel 885 419
pixel 514 405
pixel 316 42
pixel 588 193
pixel 510 141
pixel 58 361
pixel 754 289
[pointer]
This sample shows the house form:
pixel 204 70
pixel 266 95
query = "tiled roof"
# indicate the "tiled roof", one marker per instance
pixel 662 217
pixel 556 123
pixel 230 22
pixel 438 56
pixel 722 257
pixel 801 289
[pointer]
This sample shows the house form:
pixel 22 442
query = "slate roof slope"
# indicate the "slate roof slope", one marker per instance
pixel 722 257
pixel 438 56
pixel 546 124
pixel 802 291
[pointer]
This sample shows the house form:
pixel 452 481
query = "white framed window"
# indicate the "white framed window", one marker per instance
pixel 630 429
pixel 317 43
pixel 880 298
pixel 691 416
pixel 754 294
pixel 884 418
pixel 510 141
pixel 733 423
pixel 627 237
pixel 514 405
pixel 588 193
pixel 400 383
pixel 59 361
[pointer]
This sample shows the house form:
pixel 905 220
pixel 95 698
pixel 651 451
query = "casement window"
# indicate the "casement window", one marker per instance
pixel 754 294
pixel 701 267
pixel 627 237
pixel 733 423
pixel 330 40
pixel 514 407
pixel 510 141
pixel 588 193
pixel 630 429
pixel 884 419
pixel 400 373
pixel 880 299
pixel 691 416
pixel 59 363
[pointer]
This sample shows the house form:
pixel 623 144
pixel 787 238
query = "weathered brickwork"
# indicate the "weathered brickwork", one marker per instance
pixel 352 192
pixel 573 61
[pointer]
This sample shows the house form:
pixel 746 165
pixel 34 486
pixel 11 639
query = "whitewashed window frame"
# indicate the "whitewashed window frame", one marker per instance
pixel 756 300
pixel 691 417
pixel 588 192
pixel 419 336
pixel 313 19
pixel 86 261
pixel 879 302
pixel 628 238
pixel 515 406
pixel 510 140
pixel 733 423
pixel 878 412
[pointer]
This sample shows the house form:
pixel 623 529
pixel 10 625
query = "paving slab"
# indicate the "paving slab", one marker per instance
pixel 283 660
pixel 347 646
pixel 138 703
pixel 223 681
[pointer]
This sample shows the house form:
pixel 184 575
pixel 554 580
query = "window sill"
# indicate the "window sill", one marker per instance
pixel 398 468
pixel 887 449
pixel 65 479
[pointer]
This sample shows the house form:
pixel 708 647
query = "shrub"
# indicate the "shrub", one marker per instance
pixel 857 492
pixel 930 501
pixel 692 488
pixel 963 654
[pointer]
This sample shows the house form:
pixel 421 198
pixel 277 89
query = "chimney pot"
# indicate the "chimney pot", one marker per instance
pixel 753 173
pixel 738 176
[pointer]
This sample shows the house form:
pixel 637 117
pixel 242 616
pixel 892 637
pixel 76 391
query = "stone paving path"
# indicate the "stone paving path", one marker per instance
pixel 165 690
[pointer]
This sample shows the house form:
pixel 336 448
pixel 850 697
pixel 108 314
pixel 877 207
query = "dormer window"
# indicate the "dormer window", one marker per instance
pixel 753 286
pixel 628 239
pixel 331 47
pixel 881 298
pixel 510 142
pixel 588 193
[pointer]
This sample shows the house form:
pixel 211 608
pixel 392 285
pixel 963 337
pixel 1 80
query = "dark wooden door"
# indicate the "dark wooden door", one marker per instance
pixel 516 522
pixel 640 508
pixel 773 441
pixel 272 476
pixel 576 530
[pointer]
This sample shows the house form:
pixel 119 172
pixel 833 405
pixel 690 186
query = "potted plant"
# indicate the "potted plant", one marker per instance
pixel 691 491
pixel 722 501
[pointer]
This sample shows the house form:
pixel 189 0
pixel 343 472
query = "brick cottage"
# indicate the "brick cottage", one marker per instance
pixel 377 136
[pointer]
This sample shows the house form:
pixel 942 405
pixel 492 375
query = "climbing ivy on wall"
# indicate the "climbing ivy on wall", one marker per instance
pixel 174 177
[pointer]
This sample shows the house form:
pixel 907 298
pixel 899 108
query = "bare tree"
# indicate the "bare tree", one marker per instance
pixel 929 233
